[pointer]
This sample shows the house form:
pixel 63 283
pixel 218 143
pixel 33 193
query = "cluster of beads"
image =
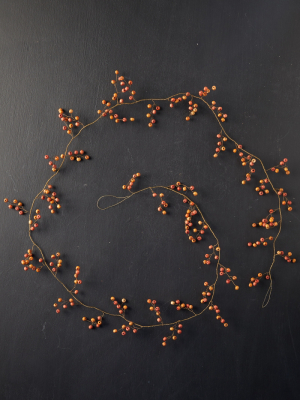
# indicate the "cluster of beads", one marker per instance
pixel 76 280
pixel 285 200
pixel 27 262
pixel 286 257
pixel 218 317
pixel 33 224
pixel 51 196
pixel 193 107
pixel 266 275
pixel 246 160
pixel 153 108
pixel 282 165
pixel 93 322
pixel 215 249
pixel 262 241
pixel 108 108
pixel 129 184
pixel 182 306
pixel 121 307
pixel 52 161
pixel 262 188
pixel 16 205
pixel 268 222
pixel 251 162
pixel 230 278
pixel 78 155
pixel 163 203
pixel 255 281
pixel 64 304
pixel 154 307
pixel 206 295
pixel 176 329
pixel 221 141
pixel 56 262
pixel 70 121
pixel 188 224
pixel 127 328
pixel 125 88
pixel 180 186
pixel 219 113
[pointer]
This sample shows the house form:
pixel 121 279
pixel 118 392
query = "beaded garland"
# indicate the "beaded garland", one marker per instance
pixel 195 225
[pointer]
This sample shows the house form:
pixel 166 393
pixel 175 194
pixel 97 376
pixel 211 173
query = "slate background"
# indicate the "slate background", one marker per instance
pixel 63 54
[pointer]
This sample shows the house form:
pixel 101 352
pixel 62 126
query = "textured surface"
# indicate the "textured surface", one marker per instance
pixel 63 54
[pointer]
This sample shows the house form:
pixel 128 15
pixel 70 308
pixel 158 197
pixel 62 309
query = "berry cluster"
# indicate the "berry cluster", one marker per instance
pixel 222 139
pixel 188 224
pixel 129 184
pixel 185 188
pixel 215 254
pixel 193 107
pixel 127 328
pixel 218 317
pixel 108 107
pixel 55 263
pixel 64 304
pixel 262 241
pixel 250 161
pixel 125 86
pixel 27 262
pixel 230 278
pixel 52 161
pixel 282 165
pixel 154 307
pixel 262 188
pixel 33 225
pixel 214 107
pixel 78 155
pixel 268 222
pixel 286 257
pixel 76 280
pixel 266 275
pixel 285 200
pixel 182 306
pixel 70 121
pixel 206 295
pixel 163 203
pixel 153 108
pixel 175 329
pixel 121 307
pixel 16 205
pixel 51 196
pixel 93 322
pixel 255 281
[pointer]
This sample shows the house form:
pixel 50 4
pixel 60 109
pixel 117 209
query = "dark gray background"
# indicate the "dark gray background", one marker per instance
pixel 64 54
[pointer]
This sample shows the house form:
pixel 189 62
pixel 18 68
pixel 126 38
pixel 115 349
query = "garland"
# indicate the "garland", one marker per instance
pixel 195 225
